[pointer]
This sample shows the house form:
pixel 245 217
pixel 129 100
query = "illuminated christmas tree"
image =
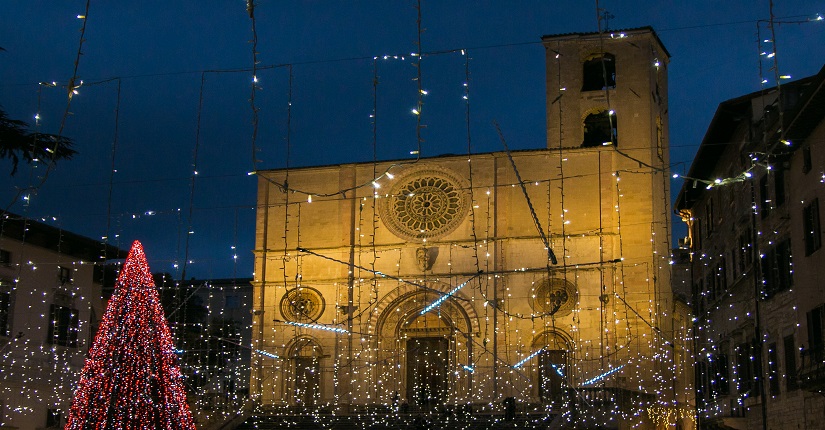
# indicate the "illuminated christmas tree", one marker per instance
pixel 131 379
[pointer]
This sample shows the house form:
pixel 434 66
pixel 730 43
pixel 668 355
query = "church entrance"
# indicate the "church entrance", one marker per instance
pixel 552 372
pixel 427 361
pixel 306 373
pixel 307 380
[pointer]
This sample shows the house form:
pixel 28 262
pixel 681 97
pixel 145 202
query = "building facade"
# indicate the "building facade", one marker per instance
pixel 538 279
pixel 50 304
pixel 751 201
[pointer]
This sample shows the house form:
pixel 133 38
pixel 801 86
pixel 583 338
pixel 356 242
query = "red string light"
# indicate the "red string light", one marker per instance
pixel 131 378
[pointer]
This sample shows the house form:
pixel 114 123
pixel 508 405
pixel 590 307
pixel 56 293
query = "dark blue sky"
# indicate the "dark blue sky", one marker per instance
pixel 159 49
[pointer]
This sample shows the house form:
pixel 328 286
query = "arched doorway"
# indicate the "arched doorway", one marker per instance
pixel 553 366
pixel 422 354
pixel 428 358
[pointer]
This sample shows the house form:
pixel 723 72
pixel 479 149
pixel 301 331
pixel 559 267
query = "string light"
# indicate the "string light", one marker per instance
pixel 441 299
pixel 526 359
pixel 603 375
pixel 309 196
pixel 131 377
pixel 317 326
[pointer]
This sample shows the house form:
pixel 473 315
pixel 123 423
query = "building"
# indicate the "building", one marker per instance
pixel 531 282
pixel 211 321
pixel 751 202
pixel 50 304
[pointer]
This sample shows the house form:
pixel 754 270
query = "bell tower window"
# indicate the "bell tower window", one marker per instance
pixel 599 72
pixel 600 129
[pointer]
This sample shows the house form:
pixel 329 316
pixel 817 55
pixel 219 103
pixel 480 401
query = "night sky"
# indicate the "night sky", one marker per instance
pixel 161 51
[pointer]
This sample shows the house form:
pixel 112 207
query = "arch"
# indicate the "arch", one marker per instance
pixel 405 293
pixel 600 128
pixel 553 338
pixel 304 346
pixel 599 72
pixel 421 353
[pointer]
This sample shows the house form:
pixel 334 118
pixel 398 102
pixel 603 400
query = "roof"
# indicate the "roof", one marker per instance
pixel 802 118
pixel 811 110
pixel 36 233
pixel 722 127
pixel 610 33
pixel 406 161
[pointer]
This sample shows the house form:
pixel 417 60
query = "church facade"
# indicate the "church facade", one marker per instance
pixel 535 278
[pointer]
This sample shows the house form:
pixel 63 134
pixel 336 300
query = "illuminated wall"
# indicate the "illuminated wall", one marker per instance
pixel 428 282
pixel 49 307
pixel 751 201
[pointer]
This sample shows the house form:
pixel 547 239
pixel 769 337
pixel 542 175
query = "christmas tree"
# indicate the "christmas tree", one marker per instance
pixel 131 379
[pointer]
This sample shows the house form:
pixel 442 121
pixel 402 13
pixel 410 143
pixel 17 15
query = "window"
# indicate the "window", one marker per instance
pixel 746 369
pixel 697 234
pixel 721 278
pixel 698 292
pixel 5 257
pixel 815 338
pixel 599 72
pixel 810 222
pixel 773 369
pixel 719 373
pixel 765 199
pixel 53 418
pixel 745 250
pixel 790 362
pixel 63 326
pixel 64 274
pixel 779 187
pixel 710 285
pixel 807 165
pixel 600 129
pixel 702 383
pixel 733 274
pixel 5 307
pixel 777 269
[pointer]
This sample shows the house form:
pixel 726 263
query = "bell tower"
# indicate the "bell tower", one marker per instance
pixel 607 123
pixel 608 89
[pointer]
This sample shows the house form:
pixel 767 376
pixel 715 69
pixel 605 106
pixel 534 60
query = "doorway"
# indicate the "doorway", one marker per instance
pixel 427 361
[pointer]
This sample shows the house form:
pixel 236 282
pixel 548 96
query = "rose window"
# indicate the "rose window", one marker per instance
pixel 302 304
pixel 425 204
pixel 554 297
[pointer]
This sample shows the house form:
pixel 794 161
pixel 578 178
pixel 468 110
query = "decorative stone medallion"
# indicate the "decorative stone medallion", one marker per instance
pixel 302 304
pixel 554 296
pixel 425 204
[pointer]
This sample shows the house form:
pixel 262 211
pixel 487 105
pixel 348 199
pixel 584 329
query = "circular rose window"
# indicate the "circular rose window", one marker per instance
pixel 425 204
pixel 553 296
pixel 302 304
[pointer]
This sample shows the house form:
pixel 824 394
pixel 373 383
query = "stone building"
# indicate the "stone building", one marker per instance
pixel 751 202
pixel 50 304
pixel 538 279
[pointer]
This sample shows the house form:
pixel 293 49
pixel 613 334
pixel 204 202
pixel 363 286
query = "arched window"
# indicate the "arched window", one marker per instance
pixel 599 72
pixel 600 129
